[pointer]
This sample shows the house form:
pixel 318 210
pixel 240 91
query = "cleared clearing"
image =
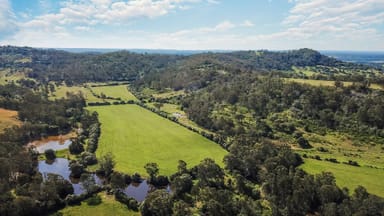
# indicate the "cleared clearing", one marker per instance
pixel 116 91
pixel 109 206
pixel 327 83
pixel 349 176
pixel 61 92
pixel 8 118
pixel 137 136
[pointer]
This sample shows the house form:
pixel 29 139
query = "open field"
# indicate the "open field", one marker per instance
pixel 327 83
pixel 7 77
pixel 116 91
pixel 8 118
pixel 62 90
pixel 168 94
pixel 137 136
pixel 349 176
pixel 174 110
pixel 343 148
pixel 109 206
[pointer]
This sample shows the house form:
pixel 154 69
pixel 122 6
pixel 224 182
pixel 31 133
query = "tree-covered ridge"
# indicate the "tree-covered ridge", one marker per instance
pixel 54 65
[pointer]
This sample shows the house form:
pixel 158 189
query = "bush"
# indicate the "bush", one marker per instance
pixel 88 158
pixel 303 143
pixel 136 178
pixel 94 200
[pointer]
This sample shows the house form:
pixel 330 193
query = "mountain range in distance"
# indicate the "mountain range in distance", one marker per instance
pixel 368 57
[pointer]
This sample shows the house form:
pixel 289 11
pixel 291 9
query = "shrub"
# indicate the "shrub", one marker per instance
pixel 303 143
pixel 94 200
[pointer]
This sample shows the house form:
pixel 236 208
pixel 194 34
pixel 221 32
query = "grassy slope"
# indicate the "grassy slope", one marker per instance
pixel 6 77
pixel 137 136
pixel 119 91
pixel 327 83
pixel 8 118
pixel 349 176
pixel 62 90
pixel 169 94
pixel 108 207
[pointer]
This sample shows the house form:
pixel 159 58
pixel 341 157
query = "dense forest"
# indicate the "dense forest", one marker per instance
pixel 242 98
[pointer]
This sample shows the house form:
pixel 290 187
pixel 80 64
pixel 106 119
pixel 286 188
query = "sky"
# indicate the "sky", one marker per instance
pixel 194 24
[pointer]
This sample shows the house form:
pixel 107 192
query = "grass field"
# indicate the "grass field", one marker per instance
pixel 137 136
pixel 327 83
pixel 61 92
pixel 108 207
pixel 349 176
pixel 8 118
pixel 6 77
pixel 173 109
pixel 117 91
pixel 168 94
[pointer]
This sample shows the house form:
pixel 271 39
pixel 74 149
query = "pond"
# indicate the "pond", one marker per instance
pixel 60 167
pixel 139 191
pixel 52 142
pixel 55 145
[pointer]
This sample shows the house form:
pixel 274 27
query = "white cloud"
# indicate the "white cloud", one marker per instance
pixel 7 21
pixel 213 1
pixel 247 23
pixel 224 26
pixel 83 28
pixel 335 18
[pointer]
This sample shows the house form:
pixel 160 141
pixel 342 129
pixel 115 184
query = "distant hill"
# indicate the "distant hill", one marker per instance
pixel 103 65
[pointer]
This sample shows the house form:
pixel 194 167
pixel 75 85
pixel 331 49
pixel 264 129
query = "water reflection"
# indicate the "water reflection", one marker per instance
pixel 60 166
pixel 139 191
pixel 53 144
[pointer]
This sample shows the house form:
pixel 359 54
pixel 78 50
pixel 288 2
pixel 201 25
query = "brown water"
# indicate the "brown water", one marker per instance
pixel 52 142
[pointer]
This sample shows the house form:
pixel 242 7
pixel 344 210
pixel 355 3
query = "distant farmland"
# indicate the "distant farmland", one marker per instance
pixel 136 136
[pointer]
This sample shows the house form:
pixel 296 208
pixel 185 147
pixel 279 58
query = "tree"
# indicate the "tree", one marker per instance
pixel 182 167
pixel 76 147
pixel 76 169
pixel 157 203
pixel 88 182
pixel 181 208
pixel 152 170
pixel 303 143
pixel 181 184
pixel 210 174
pixel 107 164
pixel 117 180
pixel 50 154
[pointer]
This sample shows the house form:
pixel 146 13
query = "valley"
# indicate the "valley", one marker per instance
pixel 241 128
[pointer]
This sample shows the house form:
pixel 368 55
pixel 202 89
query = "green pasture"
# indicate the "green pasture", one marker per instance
pixel 349 176
pixel 61 92
pixel 136 136
pixel 109 206
pixel 116 91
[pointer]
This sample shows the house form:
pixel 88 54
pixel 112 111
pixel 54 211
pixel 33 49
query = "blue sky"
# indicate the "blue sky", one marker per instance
pixel 194 24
